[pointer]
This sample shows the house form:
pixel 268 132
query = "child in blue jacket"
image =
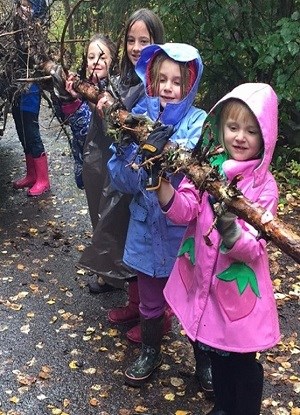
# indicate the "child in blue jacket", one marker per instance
pixel 171 74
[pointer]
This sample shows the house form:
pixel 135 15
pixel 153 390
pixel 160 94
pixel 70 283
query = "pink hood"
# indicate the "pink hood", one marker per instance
pixel 262 101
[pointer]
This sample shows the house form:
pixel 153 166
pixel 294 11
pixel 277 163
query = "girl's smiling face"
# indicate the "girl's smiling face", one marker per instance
pixel 137 38
pixel 242 137
pixel 170 83
pixel 98 60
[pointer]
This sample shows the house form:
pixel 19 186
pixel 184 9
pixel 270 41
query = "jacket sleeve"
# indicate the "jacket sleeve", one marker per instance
pixel 249 246
pixel 193 131
pixel 123 177
pixel 79 121
pixel 186 204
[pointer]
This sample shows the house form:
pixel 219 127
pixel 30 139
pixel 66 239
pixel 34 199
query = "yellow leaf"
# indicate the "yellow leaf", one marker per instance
pixel 51 302
pixel 80 248
pixel 140 409
pixel 33 231
pixel 86 338
pixel 66 403
pixel 295 411
pixel 20 267
pixel 96 387
pixel 56 411
pixel 112 332
pixel 14 399
pixel 182 413
pixel 15 307
pixel 34 287
pixel 170 396
pixel 286 365
pixel 73 364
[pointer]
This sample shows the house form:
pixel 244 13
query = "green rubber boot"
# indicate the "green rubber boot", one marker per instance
pixel 150 358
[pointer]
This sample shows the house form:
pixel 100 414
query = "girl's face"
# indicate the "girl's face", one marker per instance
pixel 242 137
pixel 170 83
pixel 98 60
pixel 137 38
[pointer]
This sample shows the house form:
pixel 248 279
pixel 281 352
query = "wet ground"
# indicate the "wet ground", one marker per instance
pixel 59 354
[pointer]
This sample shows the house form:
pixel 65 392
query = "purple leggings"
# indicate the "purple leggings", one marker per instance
pixel 152 300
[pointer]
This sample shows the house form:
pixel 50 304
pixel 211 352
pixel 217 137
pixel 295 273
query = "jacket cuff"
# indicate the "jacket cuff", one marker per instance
pixel 70 107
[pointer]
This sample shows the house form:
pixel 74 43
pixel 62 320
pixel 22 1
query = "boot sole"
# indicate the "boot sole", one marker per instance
pixel 138 382
pixel 133 320
pixel 38 194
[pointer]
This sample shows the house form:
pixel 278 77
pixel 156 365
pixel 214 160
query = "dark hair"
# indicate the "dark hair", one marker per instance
pixel 156 30
pixel 107 42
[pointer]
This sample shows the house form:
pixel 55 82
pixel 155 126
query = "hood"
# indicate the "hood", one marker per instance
pixel 180 52
pixel 262 101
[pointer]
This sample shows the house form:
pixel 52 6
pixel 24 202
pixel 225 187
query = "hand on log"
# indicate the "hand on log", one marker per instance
pixel 206 177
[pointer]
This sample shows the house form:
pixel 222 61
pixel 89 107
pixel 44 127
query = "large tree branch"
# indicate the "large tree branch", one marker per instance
pixel 207 178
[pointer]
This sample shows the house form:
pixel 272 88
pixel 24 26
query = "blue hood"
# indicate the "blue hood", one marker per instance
pixel 180 52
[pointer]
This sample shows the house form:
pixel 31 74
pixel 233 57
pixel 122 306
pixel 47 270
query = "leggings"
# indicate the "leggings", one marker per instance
pixel 237 382
pixel 27 126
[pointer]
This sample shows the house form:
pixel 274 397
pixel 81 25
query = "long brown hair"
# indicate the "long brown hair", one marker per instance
pixel 156 31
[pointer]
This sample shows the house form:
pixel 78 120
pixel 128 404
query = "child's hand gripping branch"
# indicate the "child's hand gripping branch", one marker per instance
pixel 226 223
pixel 152 147
pixel 59 84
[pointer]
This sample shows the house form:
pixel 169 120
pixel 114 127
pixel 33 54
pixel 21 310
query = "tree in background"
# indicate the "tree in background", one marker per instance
pixel 239 41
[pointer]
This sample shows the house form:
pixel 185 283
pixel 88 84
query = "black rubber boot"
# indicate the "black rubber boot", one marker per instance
pixel 249 389
pixel 150 358
pixel 215 411
pixel 203 370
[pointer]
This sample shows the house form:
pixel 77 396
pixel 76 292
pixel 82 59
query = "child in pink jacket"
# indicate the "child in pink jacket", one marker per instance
pixel 222 293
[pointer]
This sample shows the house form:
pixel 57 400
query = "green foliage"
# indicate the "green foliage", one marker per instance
pixel 286 170
pixel 239 41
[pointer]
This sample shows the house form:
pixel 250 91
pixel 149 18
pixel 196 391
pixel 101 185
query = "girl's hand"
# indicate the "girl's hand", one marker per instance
pixel 69 86
pixel 106 101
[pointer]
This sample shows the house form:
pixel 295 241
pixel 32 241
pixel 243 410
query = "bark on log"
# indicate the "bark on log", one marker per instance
pixel 205 177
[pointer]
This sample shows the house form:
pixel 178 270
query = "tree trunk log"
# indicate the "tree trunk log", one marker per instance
pixel 282 235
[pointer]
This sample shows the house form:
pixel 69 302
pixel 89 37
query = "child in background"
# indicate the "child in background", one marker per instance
pixel 97 60
pixel 171 74
pixel 108 207
pixel 225 299
pixel 26 108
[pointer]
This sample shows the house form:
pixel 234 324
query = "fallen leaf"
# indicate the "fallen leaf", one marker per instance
pixel 170 396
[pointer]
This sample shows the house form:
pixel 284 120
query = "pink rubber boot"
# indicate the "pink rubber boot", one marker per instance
pixel 42 183
pixel 30 177
pixel 129 313
pixel 135 334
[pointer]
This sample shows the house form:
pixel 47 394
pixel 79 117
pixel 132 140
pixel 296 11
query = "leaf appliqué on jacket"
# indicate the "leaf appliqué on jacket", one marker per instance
pixel 188 247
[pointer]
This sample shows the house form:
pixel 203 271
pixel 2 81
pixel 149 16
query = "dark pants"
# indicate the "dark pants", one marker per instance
pixel 238 383
pixel 27 126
